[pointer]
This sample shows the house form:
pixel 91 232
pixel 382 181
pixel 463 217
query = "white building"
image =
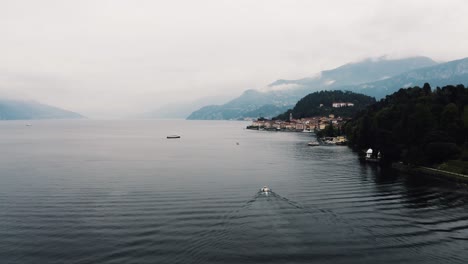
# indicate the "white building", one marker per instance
pixel 340 104
pixel 369 153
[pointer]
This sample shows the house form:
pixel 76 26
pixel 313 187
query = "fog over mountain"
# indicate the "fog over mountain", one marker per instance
pixel 28 110
pixel 449 73
pixel 360 72
pixel 114 59
pixel 283 94
pixel 182 110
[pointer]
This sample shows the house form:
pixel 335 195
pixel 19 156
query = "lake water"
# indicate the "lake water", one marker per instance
pixel 120 192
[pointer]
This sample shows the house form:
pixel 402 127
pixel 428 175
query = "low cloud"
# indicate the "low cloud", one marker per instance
pixel 116 58
pixel 279 87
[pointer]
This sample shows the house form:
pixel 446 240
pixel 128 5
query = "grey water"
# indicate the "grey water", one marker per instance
pixel 120 192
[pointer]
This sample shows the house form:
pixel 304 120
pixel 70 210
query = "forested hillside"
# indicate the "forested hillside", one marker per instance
pixel 320 104
pixel 416 125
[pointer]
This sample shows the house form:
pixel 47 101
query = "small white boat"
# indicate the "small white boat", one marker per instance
pixel 265 189
pixel 313 143
pixel 173 136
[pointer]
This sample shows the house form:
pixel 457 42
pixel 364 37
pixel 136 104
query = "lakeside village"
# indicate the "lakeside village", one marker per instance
pixel 313 125
pixel 309 125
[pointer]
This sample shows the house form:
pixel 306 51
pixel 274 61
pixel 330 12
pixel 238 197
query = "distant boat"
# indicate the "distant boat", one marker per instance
pixel 313 143
pixel 173 136
pixel 265 189
pixel 28 125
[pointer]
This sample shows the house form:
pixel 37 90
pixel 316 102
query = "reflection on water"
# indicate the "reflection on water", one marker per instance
pixel 119 192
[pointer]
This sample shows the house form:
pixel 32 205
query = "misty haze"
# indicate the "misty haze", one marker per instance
pixel 218 131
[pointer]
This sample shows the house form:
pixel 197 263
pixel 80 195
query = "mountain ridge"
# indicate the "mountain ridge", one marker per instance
pixel 30 110
pixel 447 73
pixel 351 73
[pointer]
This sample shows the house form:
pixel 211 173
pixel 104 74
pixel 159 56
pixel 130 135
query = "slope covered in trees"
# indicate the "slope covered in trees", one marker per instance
pixel 416 125
pixel 320 104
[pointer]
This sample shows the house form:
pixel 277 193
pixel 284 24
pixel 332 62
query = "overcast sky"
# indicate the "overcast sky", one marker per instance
pixel 115 58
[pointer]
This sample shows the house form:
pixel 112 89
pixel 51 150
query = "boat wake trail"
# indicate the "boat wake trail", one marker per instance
pixel 275 222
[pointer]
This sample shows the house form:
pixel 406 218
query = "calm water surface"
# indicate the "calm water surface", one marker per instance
pixel 120 192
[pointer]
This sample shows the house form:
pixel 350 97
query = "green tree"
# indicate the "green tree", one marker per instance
pixel 416 125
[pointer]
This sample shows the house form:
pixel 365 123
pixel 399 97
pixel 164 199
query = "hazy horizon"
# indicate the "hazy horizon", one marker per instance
pixel 110 59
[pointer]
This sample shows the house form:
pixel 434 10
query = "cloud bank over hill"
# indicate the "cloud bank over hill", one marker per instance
pixel 117 58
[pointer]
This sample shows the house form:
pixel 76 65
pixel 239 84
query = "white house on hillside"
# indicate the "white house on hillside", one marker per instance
pixel 340 104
